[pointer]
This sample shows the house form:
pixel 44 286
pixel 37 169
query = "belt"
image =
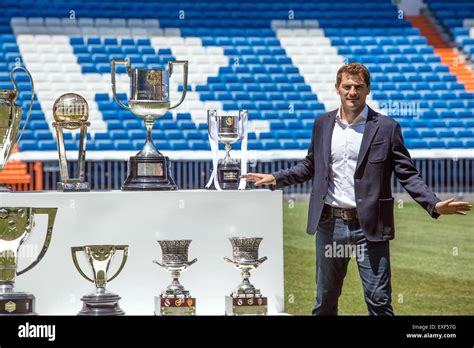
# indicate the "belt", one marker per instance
pixel 344 214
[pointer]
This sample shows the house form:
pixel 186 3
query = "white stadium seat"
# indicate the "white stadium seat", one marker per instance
pixel 18 21
pixel 35 21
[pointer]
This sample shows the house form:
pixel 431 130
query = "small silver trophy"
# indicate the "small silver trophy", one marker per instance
pixel 70 111
pixel 246 299
pixel 16 225
pixel 227 129
pixel 175 300
pixel 10 117
pixel 149 99
pixel 101 301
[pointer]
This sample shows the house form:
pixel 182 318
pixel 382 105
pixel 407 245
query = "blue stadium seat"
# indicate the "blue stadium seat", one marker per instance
pixel 271 145
pixel 436 144
pixel 47 145
pixel 123 145
pixel 28 145
pixel 179 145
pixel 104 144
pixel 254 145
pixel 200 145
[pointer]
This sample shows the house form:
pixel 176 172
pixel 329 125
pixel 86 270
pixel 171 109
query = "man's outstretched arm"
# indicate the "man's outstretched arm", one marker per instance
pixel 408 176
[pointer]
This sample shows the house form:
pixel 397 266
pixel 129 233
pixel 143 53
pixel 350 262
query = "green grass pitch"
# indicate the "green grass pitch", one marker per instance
pixel 432 265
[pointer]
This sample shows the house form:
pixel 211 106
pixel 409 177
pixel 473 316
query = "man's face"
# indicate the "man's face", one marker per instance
pixel 353 91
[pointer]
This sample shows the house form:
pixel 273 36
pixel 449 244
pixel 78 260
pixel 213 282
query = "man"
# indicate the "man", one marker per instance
pixel 352 155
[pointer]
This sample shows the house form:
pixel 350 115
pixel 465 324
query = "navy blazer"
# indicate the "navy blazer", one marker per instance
pixel 382 152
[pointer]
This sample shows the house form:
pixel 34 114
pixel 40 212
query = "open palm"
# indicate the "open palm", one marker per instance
pixel 450 206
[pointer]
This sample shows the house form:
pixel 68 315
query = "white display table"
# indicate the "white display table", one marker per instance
pixel 139 219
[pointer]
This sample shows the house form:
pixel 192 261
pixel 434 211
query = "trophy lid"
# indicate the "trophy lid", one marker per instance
pixel 71 108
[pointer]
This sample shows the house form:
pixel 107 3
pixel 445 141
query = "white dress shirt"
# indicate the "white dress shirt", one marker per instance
pixel 345 146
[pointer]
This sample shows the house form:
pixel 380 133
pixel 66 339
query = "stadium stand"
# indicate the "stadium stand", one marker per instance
pixel 278 60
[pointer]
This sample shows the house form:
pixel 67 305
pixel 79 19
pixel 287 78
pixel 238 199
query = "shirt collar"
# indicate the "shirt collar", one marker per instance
pixel 361 118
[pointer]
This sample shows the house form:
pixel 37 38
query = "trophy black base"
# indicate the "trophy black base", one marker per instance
pixel 229 176
pixel 175 305
pixel 105 304
pixel 73 186
pixel 245 305
pixel 149 174
pixel 17 303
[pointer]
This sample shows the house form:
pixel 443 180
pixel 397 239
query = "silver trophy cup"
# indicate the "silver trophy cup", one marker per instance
pixel 245 299
pixel 10 117
pixel 175 300
pixel 227 129
pixel 16 225
pixel 101 301
pixel 149 99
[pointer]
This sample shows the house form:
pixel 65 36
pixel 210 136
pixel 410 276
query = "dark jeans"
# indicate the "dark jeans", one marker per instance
pixel 336 241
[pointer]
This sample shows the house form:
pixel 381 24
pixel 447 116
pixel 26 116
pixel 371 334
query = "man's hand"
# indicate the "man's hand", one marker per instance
pixel 260 179
pixel 449 206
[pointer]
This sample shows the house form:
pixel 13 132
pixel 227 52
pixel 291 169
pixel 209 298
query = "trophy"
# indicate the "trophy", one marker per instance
pixel 101 301
pixel 70 111
pixel 227 129
pixel 10 117
pixel 149 99
pixel 175 300
pixel 246 299
pixel 16 225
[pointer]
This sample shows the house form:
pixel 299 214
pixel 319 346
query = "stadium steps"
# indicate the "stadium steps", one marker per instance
pixel 449 57
pixel 428 30
pixel 452 59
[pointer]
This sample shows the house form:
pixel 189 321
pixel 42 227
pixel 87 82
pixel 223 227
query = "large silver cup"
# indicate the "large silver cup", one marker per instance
pixel 175 300
pixel 245 299
pixel 10 117
pixel 149 99
pixel 227 129
pixel 101 301
pixel 16 225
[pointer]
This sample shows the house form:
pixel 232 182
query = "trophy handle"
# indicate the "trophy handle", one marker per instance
pixel 184 63
pixel 210 114
pixel 229 260
pixel 191 262
pixel 243 118
pixel 31 100
pixel 125 256
pixel 125 62
pixel 159 264
pixel 74 250
pixel 51 217
pixel 261 260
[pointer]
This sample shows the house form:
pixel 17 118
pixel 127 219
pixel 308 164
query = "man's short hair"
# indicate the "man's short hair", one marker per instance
pixel 354 69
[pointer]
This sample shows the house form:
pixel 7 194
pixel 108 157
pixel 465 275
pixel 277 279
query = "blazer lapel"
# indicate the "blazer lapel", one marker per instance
pixel 371 127
pixel 327 136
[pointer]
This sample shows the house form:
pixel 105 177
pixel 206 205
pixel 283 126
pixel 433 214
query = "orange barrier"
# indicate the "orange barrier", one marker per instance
pixel 449 56
pixel 22 176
